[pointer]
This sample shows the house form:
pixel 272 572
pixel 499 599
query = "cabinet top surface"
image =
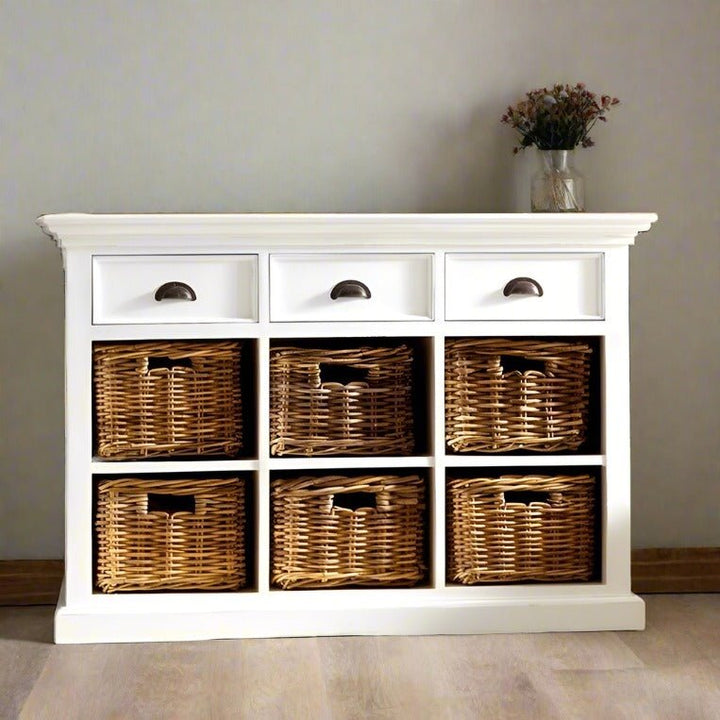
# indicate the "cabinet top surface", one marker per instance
pixel 296 229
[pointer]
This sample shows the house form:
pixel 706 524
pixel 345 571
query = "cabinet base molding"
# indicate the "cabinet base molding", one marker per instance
pixel 397 613
pixel 676 570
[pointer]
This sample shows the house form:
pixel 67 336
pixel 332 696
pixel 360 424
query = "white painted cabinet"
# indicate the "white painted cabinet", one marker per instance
pixel 276 280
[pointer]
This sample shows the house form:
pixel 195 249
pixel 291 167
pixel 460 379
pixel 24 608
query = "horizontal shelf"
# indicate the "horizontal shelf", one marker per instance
pixel 120 467
pixel 331 463
pixel 389 328
pixel 176 331
pixel 505 460
pixel 264 329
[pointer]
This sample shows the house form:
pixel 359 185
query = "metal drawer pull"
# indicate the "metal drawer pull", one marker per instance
pixel 175 291
pixel 351 289
pixel 523 286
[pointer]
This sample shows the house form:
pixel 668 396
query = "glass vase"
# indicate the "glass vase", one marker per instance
pixel 557 186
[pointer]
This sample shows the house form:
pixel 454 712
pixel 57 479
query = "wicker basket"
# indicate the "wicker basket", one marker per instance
pixel 368 411
pixel 330 531
pixel 521 528
pixel 503 395
pixel 167 398
pixel 170 535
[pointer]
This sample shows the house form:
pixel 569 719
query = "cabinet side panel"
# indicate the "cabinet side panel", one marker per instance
pixel 78 427
pixel 616 424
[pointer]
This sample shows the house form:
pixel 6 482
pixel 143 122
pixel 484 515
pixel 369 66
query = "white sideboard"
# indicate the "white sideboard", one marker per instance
pixel 268 278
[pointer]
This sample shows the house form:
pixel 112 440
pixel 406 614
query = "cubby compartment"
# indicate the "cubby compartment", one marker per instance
pixel 527 394
pixel 349 397
pixel 159 533
pixel 536 526
pixel 349 528
pixel 174 398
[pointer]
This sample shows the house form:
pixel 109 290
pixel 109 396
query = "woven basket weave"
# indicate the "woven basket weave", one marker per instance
pixel 370 416
pixel 515 528
pixel 319 541
pixel 494 404
pixel 167 398
pixel 199 547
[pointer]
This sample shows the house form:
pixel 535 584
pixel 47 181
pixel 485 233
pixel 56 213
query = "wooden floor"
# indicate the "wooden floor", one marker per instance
pixel 671 670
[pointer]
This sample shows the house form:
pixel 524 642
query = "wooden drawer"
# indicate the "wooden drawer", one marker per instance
pixel 174 289
pixel 524 286
pixel 319 287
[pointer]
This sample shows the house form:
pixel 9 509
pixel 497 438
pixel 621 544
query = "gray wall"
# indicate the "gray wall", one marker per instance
pixel 360 105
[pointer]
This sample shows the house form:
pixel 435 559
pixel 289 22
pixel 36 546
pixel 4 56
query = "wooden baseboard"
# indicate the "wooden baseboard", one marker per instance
pixel 676 570
pixel 655 570
pixel 30 582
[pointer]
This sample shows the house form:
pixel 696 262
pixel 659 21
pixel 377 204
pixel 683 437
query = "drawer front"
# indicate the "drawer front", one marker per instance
pixel 126 289
pixel 350 287
pixel 524 286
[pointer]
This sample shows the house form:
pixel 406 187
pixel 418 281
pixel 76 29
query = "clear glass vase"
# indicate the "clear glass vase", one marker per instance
pixel 557 186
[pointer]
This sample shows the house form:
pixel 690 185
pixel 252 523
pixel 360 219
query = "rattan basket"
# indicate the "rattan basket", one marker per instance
pixel 331 531
pixel 503 395
pixel 367 412
pixel 170 534
pixel 515 528
pixel 167 398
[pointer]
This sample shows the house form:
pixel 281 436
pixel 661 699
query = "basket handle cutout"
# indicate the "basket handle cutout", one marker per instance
pixel 343 374
pixel 171 504
pixel 518 363
pixel 355 500
pixel 166 363
pixel 525 497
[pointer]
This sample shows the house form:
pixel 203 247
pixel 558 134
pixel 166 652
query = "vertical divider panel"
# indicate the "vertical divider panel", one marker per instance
pixel 262 503
pixel 437 390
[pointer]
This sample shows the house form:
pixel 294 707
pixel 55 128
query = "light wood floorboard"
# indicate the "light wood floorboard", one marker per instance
pixel 670 671
pixel 25 637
